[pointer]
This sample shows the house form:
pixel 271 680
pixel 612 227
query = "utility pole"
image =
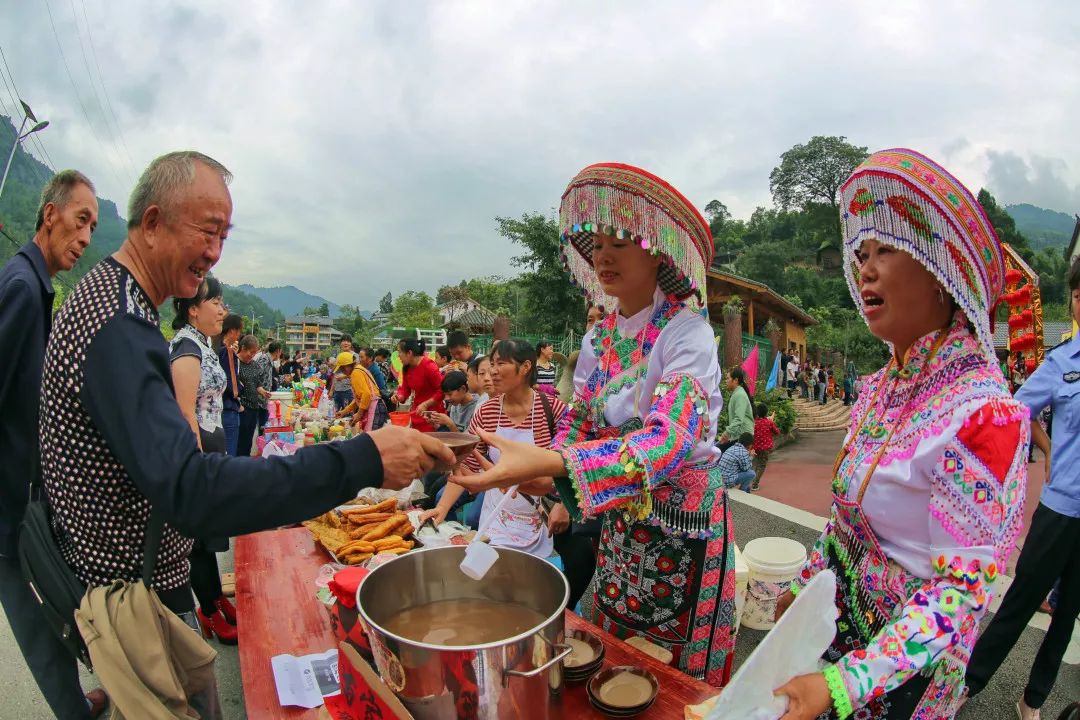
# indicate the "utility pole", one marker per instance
pixel 28 116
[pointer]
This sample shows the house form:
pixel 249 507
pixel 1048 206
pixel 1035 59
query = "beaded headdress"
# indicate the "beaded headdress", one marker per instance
pixel 903 199
pixel 628 202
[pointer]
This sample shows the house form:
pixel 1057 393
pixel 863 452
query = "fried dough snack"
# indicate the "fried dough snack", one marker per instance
pixel 330 538
pixel 383 529
pixel 388 505
pixel 355 535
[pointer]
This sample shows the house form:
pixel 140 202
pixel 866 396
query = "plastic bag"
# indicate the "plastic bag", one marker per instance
pixel 446 533
pixel 793 647
pixel 276 448
pixel 406 497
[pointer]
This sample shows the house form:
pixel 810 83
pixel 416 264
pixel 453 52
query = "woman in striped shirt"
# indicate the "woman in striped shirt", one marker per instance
pixel 545 368
pixel 517 412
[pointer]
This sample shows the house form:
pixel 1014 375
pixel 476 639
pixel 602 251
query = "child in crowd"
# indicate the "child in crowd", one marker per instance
pixel 735 465
pixel 764 430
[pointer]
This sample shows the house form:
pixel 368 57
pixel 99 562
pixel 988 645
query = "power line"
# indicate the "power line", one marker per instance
pixel 93 90
pixel 104 90
pixel 75 89
pixel 13 93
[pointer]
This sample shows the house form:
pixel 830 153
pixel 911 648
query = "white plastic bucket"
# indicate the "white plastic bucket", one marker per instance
pixel 742 582
pixel 773 563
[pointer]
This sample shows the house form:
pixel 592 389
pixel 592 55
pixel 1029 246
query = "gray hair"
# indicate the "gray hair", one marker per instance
pixel 249 342
pixel 164 178
pixel 58 190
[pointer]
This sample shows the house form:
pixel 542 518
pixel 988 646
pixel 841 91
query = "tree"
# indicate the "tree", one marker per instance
pixel 733 324
pixel 718 216
pixel 324 310
pixel 814 172
pixel 1005 226
pixel 552 304
pixel 386 305
pixel 414 309
pixel 1053 272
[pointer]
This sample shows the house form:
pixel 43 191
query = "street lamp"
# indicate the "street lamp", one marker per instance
pixel 28 116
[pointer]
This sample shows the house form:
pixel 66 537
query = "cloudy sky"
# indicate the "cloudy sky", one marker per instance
pixel 373 143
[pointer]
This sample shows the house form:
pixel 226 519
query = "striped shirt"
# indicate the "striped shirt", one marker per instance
pixel 489 417
pixel 545 375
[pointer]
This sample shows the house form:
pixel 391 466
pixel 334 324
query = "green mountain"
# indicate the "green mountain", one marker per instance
pixel 290 300
pixel 1043 228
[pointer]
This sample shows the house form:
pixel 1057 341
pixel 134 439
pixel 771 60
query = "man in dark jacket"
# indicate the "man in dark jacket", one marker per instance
pixel 67 216
pixel 112 457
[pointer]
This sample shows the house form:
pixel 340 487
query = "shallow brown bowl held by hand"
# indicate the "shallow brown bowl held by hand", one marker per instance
pixel 623 690
pixel 460 443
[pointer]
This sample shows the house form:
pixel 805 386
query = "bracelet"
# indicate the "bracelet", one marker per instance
pixel 841 700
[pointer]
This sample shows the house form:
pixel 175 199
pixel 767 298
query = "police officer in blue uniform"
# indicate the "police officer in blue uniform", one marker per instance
pixel 1052 548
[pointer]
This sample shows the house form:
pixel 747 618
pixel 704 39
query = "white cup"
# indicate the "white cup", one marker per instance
pixel 479 557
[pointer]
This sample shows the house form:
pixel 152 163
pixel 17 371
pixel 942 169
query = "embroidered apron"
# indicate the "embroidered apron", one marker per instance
pixel 519 525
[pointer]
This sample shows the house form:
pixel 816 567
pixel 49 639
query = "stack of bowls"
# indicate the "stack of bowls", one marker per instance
pixel 578 667
pixel 623 691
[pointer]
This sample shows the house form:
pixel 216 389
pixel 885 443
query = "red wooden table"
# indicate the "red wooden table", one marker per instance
pixel 277 613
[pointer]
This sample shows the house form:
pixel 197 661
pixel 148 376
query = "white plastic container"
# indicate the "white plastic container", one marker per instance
pixel 742 582
pixel 773 563
pixel 479 557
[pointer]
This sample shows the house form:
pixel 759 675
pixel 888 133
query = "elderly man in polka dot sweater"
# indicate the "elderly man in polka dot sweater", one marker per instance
pixel 114 445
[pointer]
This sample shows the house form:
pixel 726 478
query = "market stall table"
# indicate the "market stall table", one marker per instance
pixel 277 613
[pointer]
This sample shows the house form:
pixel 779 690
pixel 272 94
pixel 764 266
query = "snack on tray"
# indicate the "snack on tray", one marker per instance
pixel 353 535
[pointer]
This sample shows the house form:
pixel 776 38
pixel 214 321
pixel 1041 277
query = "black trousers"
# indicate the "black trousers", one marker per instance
pixel 1051 551
pixel 205 577
pixel 579 562
pixel 249 423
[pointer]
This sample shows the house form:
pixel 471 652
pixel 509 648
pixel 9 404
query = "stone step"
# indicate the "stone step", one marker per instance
pixel 825 428
pixel 828 415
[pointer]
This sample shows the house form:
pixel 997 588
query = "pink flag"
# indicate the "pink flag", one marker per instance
pixel 750 367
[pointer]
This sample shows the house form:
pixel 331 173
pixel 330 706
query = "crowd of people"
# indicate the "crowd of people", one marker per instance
pixel 620 463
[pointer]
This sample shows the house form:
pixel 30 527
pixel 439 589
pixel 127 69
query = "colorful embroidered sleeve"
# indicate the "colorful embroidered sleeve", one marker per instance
pixel 976 506
pixel 609 473
pixel 575 425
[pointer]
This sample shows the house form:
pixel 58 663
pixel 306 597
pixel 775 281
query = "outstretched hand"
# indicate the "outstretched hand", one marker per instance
pixel 519 464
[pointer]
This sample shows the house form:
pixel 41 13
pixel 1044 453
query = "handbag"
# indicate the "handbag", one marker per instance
pixel 52 581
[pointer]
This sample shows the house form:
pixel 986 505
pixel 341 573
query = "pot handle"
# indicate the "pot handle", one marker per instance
pixel 562 649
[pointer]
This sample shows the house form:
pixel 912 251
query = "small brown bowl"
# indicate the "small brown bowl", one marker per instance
pixel 586 668
pixel 461 444
pixel 629 705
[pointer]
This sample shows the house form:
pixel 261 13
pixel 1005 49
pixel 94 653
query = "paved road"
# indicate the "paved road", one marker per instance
pixel 21 698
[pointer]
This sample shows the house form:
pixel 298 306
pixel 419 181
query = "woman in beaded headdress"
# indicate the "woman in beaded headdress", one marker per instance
pixel 928 490
pixel 637 444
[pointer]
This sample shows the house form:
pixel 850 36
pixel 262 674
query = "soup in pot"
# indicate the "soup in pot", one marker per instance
pixel 464 622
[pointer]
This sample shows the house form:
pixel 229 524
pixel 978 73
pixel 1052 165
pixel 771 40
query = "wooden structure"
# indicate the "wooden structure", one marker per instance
pixel 1025 308
pixel 278 613
pixel 762 304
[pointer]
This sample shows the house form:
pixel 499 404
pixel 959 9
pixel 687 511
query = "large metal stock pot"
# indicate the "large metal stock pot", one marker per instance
pixel 512 678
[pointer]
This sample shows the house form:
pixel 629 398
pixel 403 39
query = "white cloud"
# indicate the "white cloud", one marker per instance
pixel 374 143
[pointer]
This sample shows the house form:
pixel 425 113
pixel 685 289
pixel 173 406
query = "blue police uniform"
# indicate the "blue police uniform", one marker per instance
pixel 1051 551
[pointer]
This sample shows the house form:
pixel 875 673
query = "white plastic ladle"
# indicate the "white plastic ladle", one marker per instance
pixel 480 556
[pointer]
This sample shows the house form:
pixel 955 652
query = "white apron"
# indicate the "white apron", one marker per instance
pixel 519 525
